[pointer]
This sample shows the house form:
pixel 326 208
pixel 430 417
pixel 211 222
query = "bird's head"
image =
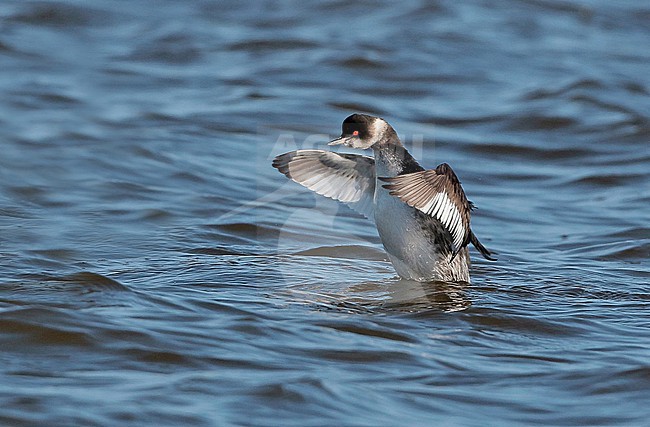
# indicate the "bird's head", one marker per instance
pixel 362 131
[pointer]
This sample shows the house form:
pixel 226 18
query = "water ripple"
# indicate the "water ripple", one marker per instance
pixel 156 269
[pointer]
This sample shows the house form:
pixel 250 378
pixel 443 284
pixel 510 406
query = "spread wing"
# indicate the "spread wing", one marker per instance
pixel 348 178
pixel 438 193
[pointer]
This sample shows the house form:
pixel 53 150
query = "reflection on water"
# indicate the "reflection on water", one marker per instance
pixel 414 297
pixel 156 270
pixel 384 297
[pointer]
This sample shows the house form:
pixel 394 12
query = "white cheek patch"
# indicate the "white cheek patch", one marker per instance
pixel 377 127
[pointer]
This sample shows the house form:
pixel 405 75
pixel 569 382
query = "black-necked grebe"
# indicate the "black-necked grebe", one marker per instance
pixel 422 216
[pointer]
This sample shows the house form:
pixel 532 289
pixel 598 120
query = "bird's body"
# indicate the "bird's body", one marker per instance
pixel 422 217
pixel 414 241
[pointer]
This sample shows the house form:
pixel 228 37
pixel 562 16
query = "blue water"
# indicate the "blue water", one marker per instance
pixel 156 270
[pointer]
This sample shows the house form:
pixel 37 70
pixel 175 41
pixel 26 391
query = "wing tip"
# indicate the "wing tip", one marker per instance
pixel 482 249
pixel 281 162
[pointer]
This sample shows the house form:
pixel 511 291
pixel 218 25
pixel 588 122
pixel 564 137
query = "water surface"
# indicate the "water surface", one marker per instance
pixel 156 270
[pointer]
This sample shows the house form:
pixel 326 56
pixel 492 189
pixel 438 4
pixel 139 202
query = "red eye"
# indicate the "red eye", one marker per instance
pixel 355 133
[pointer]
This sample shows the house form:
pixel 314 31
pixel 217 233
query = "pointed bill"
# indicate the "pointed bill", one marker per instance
pixel 338 141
